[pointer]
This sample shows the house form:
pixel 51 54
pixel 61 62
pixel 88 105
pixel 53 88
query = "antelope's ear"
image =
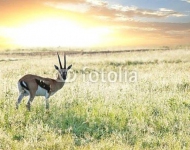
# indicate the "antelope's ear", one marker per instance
pixel 69 67
pixel 57 68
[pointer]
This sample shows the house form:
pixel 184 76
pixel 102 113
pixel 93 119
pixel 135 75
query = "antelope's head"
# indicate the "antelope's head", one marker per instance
pixel 62 71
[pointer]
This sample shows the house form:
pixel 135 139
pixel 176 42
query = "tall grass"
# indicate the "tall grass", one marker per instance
pixel 152 113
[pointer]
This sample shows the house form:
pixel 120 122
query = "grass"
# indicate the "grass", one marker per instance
pixel 152 113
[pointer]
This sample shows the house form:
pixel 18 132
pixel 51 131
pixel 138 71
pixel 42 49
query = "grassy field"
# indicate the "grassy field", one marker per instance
pixel 150 112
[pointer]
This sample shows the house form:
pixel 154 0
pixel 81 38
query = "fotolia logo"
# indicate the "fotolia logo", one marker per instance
pixel 89 75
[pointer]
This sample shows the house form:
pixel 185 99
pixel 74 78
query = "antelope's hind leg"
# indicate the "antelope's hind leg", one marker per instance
pixel 29 102
pixel 21 96
pixel 19 99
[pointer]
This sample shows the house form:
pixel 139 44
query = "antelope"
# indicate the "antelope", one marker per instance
pixel 33 85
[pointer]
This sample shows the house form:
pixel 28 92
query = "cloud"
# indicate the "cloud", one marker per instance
pixel 188 1
pixel 131 11
pixel 97 3
pixel 75 7
pixel 127 20
pixel 106 9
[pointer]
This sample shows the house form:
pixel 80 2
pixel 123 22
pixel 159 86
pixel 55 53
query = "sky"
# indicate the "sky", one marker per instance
pixel 94 23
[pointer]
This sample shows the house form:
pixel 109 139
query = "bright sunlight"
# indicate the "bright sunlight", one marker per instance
pixel 56 32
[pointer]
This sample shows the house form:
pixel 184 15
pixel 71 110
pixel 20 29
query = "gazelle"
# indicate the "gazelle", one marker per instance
pixel 33 85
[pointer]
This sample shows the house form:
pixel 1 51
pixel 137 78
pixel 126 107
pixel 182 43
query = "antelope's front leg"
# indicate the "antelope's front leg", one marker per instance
pixel 47 103
pixel 47 100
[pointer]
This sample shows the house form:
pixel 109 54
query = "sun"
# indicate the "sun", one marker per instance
pixel 56 32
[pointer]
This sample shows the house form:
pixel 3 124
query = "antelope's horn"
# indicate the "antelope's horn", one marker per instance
pixel 59 61
pixel 64 61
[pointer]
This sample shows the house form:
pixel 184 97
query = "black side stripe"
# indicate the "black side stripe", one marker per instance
pixel 24 85
pixel 43 85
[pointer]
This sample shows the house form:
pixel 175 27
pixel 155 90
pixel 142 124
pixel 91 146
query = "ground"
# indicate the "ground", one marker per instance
pixel 146 108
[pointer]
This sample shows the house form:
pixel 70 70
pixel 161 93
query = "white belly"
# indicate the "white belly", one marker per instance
pixel 41 92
